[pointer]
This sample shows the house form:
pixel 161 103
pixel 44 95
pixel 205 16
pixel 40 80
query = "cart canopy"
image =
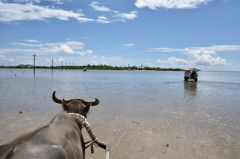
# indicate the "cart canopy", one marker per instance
pixel 192 69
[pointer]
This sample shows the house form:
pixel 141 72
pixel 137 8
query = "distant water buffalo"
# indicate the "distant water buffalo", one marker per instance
pixel 60 138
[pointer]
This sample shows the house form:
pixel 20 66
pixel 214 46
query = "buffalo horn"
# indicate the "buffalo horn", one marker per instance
pixel 96 102
pixel 55 99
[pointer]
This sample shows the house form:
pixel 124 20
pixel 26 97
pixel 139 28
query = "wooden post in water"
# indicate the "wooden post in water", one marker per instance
pixel 34 64
pixel 52 65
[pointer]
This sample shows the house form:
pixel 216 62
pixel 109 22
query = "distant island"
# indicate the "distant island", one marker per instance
pixel 95 67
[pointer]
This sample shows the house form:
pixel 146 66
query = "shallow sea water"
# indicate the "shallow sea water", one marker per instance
pixel 142 114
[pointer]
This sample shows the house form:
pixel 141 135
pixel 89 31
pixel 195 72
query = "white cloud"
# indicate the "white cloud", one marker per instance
pixel 60 59
pixel 26 1
pixel 173 61
pixel 69 38
pixel 66 49
pixel 18 12
pixel 113 14
pixel 69 47
pixel 102 19
pixel 113 60
pixel 10 60
pixel 75 44
pixel 205 57
pixel 39 1
pixel 20 51
pixel 3 58
pixel 56 1
pixel 86 37
pixel 151 65
pixel 82 53
pixel 28 45
pixel 129 44
pixel 32 41
pixel 198 56
pixel 95 5
pixel 220 48
pixel 214 47
pixel 132 15
pixel 169 4
pixel 166 49
pixel 200 52
pixel 26 10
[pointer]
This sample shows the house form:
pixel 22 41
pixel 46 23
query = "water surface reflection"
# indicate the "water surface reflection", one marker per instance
pixel 212 98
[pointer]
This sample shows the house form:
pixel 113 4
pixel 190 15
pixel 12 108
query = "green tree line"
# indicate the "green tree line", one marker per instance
pixel 97 67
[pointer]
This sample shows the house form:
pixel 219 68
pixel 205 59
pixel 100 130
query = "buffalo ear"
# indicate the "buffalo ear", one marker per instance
pixel 64 105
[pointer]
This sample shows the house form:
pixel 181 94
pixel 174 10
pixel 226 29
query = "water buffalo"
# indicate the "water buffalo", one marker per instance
pixel 60 138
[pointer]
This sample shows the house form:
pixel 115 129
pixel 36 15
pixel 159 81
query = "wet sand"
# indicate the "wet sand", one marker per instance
pixel 161 136
pixel 139 132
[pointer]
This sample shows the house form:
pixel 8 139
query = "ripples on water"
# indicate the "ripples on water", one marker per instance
pixel 214 98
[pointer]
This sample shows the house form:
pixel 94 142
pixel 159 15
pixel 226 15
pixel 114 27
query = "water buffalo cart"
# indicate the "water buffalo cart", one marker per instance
pixel 191 73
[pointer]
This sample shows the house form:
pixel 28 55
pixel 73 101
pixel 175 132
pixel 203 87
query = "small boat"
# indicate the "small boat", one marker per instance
pixel 85 69
pixel 191 73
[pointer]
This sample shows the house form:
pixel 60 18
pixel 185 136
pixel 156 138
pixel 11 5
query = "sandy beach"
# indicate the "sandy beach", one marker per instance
pixel 149 134
pixel 159 136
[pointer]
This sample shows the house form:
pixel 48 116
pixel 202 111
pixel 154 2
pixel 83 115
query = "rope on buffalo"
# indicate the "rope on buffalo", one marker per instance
pixel 84 123
pixel 91 144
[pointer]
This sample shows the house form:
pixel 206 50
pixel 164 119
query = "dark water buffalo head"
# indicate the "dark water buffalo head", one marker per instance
pixel 79 106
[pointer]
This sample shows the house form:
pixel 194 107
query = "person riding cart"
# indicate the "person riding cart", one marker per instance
pixel 191 73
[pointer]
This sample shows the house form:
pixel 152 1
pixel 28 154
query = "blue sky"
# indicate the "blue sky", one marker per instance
pixel 158 33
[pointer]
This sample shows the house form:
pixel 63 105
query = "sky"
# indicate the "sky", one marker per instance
pixel 204 34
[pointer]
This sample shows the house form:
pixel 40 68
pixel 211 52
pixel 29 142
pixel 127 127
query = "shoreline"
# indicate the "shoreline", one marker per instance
pixel 95 68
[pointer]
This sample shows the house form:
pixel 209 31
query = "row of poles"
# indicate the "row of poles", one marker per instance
pixel 34 58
